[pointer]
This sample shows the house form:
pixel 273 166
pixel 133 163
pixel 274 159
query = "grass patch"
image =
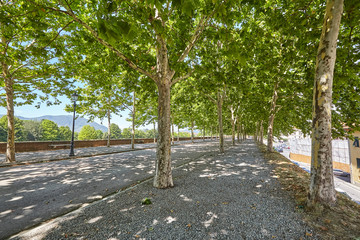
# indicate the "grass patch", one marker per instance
pixel 341 221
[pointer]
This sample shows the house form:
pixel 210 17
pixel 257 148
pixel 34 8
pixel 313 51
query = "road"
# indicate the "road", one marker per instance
pixel 32 194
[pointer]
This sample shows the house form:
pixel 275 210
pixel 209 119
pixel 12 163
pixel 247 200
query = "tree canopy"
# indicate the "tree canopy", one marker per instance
pixel 212 65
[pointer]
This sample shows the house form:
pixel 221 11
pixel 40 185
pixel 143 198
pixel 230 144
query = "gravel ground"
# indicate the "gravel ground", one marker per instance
pixel 219 196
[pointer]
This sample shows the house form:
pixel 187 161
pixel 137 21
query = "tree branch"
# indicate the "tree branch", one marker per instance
pixel 199 29
pixel 182 77
pixel 52 40
pixel 103 42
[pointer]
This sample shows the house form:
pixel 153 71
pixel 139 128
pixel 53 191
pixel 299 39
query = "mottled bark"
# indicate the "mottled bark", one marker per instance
pixel 10 147
pixel 109 130
pixel 172 133
pixel 133 123
pixel 220 120
pixel 178 136
pixel 256 132
pixel 233 122
pixel 238 130
pixel 204 133
pixel 192 131
pixel 163 174
pixel 261 132
pixel 154 132
pixel 272 117
pixel 9 91
pixel 322 181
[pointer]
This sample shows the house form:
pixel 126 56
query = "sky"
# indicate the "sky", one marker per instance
pixel 30 111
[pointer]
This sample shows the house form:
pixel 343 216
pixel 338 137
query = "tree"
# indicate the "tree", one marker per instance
pixel 18 127
pixel 29 43
pixel 126 133
pixel 32 130
pixel 3 134
pixel 49 130
pixel 140 133
pixel 87 133
pixel 168 29
pixel 99 134
pixel 150 133
pixel 322 181
pixel 65 133
pixel 115 131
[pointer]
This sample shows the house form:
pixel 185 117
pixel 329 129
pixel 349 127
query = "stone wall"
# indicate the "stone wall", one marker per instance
pixel 56 145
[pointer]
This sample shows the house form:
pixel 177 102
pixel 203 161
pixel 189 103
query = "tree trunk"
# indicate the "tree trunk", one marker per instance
pixel 163 175
pixel 204 133
pixel 133 123
pixel 322 181
pixel 154 132
pixel 233 122
pixel 221 130
pixel 261 132
pixel 256 132
pixel 192 131
pixel 178 136
pixel 109 130
pixel 10 147
pixel 172 133
pixel 9 90
pixel 238 130
pixel 272 117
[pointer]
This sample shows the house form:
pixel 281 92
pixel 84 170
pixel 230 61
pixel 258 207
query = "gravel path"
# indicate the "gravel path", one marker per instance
pixel 34 193
pixel 219 196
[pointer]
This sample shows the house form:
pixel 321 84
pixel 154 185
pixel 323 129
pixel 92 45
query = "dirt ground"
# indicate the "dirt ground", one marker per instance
pixel 341 221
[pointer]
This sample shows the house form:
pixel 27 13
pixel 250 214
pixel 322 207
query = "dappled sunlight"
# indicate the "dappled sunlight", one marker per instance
pixel 126 209
pixel 38 192
pixel 36 234
pixel 15 199
pixel 18 217
pixel 211 220
pixel 96 197
pixel 170 219
pixel 5 213
pixel 186 199
pixel 155 222
pixel 94 220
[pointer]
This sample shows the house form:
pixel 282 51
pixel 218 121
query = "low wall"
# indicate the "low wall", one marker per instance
pixel 307 159
pixel 49 145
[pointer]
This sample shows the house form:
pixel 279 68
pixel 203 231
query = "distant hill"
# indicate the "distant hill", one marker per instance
pixel 66 120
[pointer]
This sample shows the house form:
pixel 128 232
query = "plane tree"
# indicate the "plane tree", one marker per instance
pixel 30 43
pixel 152 37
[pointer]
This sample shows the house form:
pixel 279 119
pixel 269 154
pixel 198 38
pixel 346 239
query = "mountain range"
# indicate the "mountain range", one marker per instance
pixel 66 120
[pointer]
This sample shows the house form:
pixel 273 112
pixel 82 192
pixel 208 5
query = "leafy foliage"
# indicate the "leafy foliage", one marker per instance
pixel 115 131
pixel 32 130
pixel 65 133
pixel 87 133
pixel 49 130
pixel 19 127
